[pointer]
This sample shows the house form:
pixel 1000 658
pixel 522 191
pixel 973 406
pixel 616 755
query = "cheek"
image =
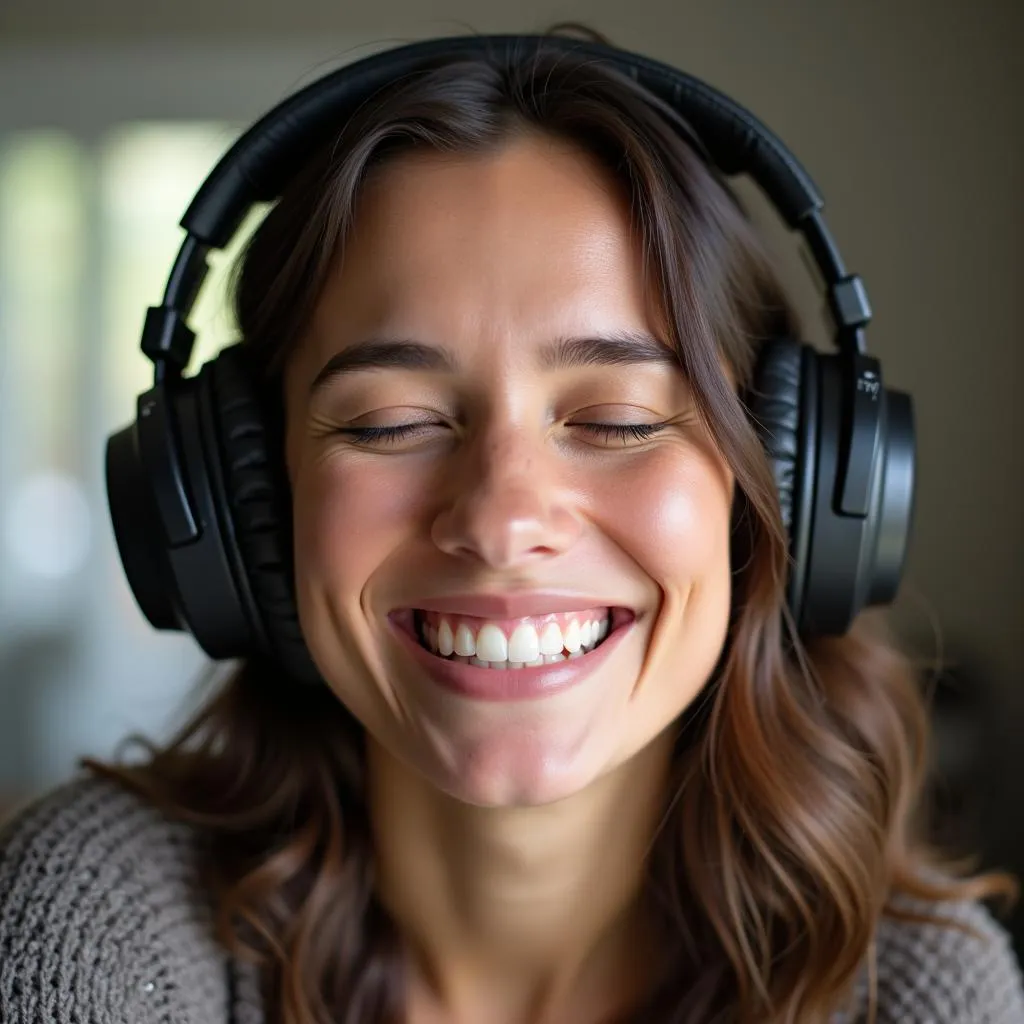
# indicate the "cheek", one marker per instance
pixel 680 517
pixel 673 515
pixel 335 502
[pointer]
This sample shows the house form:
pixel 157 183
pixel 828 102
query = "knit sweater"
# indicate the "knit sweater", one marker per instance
pixel 103 921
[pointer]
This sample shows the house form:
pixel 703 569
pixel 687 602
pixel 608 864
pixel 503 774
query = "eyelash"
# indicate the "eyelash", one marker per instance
pixel 623 431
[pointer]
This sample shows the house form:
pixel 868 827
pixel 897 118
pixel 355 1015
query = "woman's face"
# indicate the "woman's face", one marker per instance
pixel 493 307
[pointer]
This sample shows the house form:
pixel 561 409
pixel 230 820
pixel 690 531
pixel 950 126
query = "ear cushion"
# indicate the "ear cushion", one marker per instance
pixel 250 445
pixel 783 402
pixel 774 401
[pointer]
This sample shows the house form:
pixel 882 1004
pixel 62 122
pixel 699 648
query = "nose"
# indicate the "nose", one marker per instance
pixel 509 502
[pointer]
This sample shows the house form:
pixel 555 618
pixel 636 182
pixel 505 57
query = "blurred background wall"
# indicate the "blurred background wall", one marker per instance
pixel 909 115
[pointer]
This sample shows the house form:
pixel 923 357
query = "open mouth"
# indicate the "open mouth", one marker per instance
pixel 522 643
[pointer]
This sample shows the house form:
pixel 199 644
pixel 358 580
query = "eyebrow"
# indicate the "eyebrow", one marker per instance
pixel 621 348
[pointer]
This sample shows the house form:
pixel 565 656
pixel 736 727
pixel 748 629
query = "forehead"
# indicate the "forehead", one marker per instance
pixel 508 188
pixel 529 241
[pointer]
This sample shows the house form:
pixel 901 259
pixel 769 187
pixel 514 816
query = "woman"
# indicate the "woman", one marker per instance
pixel 565 760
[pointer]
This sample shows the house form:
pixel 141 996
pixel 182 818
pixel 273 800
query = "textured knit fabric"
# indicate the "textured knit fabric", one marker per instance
pixel 102 921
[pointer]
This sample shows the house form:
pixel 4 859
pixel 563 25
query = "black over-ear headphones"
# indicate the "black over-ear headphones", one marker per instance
pixel 196 484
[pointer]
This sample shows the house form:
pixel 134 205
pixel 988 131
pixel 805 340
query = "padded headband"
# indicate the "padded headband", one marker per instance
pixel 259 164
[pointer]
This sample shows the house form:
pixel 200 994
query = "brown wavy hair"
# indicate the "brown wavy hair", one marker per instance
pixel 791 825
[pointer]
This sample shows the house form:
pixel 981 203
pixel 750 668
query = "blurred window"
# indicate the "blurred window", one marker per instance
pixel 88 232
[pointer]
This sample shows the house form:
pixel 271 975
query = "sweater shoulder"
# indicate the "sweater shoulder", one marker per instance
pixel 102 917
pixel 959 968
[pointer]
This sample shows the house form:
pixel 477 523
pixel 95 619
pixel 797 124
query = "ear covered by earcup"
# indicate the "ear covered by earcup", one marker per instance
pixel 841 560
pixel 249 442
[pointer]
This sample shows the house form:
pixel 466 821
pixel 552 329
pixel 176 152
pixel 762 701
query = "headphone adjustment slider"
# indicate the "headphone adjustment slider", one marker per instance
pixel 166 338
pixel 850 304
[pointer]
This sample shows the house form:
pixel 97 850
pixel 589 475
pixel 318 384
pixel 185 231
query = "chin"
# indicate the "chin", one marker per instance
pixel 514 773
pixel 514 792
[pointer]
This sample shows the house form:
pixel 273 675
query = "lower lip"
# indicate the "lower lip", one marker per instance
pixel 511 684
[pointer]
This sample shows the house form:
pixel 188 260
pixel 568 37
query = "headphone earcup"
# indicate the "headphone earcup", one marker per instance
pixel 781 402
pixel 840 563
pixel 167 509
pixel 202 515
pixel 256 506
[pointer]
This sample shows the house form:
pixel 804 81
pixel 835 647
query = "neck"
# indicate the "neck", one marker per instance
pixel 516 914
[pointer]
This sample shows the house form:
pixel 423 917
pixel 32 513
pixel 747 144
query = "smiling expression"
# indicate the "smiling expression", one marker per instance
pixel 493 308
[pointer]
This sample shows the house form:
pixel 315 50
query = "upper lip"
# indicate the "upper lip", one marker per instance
pixel 513 605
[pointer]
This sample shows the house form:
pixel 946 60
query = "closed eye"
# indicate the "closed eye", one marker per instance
pixel 373 435
pixel 623 431
pixel 389 435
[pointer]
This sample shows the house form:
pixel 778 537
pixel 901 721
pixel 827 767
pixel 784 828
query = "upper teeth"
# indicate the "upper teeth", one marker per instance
pixel 523 645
